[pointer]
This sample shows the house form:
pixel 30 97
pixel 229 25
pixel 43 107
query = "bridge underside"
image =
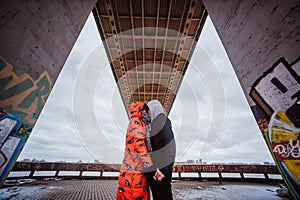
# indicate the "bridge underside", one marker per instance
pixel 149 45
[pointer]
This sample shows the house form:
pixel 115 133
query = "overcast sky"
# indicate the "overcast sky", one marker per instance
pixel 84 117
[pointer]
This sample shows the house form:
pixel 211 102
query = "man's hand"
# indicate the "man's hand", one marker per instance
pixel 158 175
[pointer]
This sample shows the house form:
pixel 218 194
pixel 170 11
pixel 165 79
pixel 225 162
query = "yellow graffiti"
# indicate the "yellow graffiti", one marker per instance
pixel 23 94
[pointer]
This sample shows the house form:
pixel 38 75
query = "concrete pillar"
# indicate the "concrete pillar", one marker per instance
pixel 36 38
pixel 256 34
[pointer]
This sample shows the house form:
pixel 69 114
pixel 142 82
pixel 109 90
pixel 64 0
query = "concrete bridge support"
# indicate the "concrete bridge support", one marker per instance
pixel 36 38
pixel 256 35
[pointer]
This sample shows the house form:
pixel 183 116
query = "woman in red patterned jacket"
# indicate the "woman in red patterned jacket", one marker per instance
pixel 132 183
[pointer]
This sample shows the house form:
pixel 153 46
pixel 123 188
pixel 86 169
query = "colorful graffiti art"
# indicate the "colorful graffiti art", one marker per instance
pixel 12 139
pixel 283 139
pixel 21 101
pixel 277 93
pixel 21 94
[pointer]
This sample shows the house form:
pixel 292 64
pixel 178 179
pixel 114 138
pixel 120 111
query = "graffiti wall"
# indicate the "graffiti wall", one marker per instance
pixel 12 139
pixel 278 89
pixel 21 94
pixel 21 101
pixel 277 111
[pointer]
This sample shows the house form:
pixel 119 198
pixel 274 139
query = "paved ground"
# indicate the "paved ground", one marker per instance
pixel 106 189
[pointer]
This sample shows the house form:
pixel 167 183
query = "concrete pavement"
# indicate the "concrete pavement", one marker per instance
pixel 106 189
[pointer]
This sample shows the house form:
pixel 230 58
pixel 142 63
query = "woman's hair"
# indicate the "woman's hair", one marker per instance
pixel 145 107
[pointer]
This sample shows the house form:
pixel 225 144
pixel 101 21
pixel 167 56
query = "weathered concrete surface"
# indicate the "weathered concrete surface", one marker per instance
pixel 38 35
pixel 256 34
pixel 261 39
pixel 106 189
pixel 36 38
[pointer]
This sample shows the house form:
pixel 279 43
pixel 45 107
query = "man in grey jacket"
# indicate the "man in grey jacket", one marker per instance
pixel 163 152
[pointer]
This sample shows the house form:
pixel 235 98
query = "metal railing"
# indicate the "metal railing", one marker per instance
pixel 180 171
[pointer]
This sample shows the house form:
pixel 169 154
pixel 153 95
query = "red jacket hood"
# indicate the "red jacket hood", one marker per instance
pixel 135 109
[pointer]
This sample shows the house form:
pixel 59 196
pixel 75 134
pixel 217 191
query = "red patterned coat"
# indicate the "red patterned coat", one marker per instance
pixel 132 183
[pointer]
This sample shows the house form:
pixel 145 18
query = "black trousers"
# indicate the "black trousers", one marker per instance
pixel 161 190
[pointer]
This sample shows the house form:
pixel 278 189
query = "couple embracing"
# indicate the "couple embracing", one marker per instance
pixel 149 154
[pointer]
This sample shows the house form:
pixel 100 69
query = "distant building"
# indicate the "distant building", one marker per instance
pixel 269 163
pixel 200 161
pixel 190 161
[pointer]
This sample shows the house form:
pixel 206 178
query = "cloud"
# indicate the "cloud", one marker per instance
pixel 85 119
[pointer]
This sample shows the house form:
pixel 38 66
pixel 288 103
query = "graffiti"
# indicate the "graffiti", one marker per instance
pixel 23 166
pixel 21 94
pixel 12 139
pixel 220 168
pixel 6 126
pixel 283 141
pixel 209 168
pixel 198 168
pixel 23 98
pixel 93 167
pixel 278 89
pixel 287 151
pixel 262 124
pixel 277 94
